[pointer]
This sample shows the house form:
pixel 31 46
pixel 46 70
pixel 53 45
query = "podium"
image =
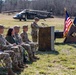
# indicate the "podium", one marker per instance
pixel 46 38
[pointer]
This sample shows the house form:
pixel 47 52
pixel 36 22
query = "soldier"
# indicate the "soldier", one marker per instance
pixel 19 40
pixel 26 40
pixel 5 45
pixel 35 27
pixel 6 59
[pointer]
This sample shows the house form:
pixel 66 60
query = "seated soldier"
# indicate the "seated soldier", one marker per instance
pixel 26 40
pixel 6 59
pixel 11 39
pixel 20 42
pixel 4 45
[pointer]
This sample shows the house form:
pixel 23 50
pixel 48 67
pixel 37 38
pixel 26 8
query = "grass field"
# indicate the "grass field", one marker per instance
pixel 60 62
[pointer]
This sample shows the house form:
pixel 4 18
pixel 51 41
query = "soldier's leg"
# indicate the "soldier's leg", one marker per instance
pixel 17 52
pixel 30 52
pixel 33 47
pixel 18 55
pixel 6 58
pixel 14 59
pixel 22 51
pixel 34 38
pixel 12 55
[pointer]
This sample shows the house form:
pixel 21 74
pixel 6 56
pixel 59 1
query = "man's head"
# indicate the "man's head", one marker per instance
pixel 1 29
pixel 36 19
pixel 25 28
pixel 17 29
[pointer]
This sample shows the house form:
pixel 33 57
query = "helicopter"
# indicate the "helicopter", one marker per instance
pixel 31 14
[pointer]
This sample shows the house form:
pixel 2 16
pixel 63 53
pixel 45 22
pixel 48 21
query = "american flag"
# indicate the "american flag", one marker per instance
pixel 67 24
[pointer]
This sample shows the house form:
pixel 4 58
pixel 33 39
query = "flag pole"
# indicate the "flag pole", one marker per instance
pixel 64 16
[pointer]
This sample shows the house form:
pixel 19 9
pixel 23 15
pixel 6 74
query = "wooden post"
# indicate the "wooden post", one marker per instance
pixel 52 38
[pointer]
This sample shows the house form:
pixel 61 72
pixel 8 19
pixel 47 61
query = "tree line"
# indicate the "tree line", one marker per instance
pixel 56 6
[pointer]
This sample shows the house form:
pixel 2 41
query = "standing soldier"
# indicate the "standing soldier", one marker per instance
pixel 35 27
pixel 6 59
pixel 5 45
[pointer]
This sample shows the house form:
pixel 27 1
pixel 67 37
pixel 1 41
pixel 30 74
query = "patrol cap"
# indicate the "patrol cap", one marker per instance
pixel 16 27
pixel 36 19
pixel 25 26
pixel 1 26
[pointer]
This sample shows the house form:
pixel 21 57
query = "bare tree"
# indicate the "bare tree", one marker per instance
pixel 56 6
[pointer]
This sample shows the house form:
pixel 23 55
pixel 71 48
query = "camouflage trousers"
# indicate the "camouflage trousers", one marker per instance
pixel 34 38
pixel 27 47
pixel 32 45
pixel 18 52
pixel 13 56
pixel 6 59
pixel 21 52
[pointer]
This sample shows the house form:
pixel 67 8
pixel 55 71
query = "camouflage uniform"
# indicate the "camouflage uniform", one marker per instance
pixel 6 58
pixel 28 42
pixel 34 31
pixel 5 45
pixel 25 39
pixel 24 45
pixel 13 56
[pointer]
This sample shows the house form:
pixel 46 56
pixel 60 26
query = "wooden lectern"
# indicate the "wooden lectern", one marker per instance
pixel 46 38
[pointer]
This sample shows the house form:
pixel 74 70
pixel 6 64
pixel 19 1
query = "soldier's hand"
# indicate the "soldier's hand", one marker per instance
pixel 14 44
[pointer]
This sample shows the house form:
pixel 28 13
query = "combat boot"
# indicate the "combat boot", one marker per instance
pixel 24 65
pixel 32 59
pixel 35 57
pixel 21 65
pixel 10 72
pixel 17 68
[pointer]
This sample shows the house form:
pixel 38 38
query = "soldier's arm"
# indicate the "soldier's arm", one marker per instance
pixel 35 26
pixel 23 38
pixel 5 47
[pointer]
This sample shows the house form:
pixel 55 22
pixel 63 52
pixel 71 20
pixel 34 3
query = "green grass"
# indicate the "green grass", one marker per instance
pixel 59 62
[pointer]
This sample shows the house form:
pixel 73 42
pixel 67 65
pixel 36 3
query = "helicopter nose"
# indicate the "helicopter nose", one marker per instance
pixel 14 17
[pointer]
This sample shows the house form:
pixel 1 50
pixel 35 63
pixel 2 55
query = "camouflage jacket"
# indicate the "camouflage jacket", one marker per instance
pixel 4 44
pixel 25 38
pixel 18 38
pixel 34 28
